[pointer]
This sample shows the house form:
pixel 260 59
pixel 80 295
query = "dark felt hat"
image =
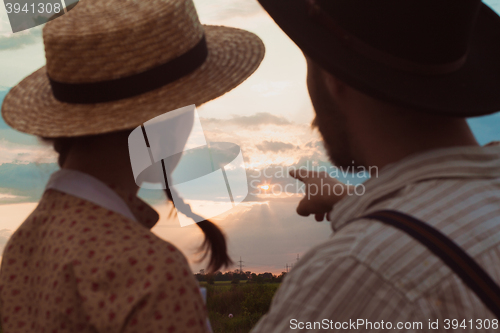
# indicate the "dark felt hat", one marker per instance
pixel 439 56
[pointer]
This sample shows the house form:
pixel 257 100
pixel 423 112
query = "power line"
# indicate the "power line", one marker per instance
pixel 287 267
pixel 241 266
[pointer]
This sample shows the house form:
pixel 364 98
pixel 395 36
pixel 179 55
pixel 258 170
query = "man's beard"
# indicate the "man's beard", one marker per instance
pixel 337 145
pixel 330 121
pixel 332 125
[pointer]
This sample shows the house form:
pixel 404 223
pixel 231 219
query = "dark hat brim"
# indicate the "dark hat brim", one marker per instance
pixel 473 90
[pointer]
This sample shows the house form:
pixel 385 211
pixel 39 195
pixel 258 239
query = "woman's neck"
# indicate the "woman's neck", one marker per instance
pixel 107 160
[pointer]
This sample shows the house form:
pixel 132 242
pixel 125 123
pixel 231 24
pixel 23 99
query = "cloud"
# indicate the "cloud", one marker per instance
pixel 3 93
pixel 253 121
pixel 4 20
pixel 267 234
pixel 9 136
pixel 218 10
pixel 23 182
pixel 21 39
pixel 20 183
pixel 275 146
pixel 17 153
pixel 271 233
pixel 266 139
pixel 314 144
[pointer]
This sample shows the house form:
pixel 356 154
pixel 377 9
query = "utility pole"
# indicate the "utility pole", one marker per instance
pixel 297 257
pixel 241 266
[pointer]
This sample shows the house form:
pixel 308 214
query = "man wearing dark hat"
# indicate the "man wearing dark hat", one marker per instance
pixel 392 82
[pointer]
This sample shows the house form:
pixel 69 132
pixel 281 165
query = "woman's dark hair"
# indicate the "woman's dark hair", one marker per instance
pixel 214 242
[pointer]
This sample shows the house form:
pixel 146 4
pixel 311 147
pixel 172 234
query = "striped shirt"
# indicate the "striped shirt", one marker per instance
pixel 374 275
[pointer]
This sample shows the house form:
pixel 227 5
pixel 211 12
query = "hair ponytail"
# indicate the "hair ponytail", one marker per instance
pixel 215 241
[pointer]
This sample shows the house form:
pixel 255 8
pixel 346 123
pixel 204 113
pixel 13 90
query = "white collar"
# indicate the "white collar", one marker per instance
pixel 88 188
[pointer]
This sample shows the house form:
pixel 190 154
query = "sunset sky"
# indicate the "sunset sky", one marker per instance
pixel 269 116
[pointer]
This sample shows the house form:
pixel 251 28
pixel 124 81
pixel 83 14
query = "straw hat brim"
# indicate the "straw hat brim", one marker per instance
pixel 233 55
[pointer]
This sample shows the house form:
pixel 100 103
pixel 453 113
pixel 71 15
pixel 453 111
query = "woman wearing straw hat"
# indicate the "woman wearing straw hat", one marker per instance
pixel 85 259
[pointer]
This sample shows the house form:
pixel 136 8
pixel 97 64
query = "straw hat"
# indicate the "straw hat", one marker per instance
pixel 112 65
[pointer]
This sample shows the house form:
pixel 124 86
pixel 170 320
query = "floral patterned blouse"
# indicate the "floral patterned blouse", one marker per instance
pixel 74 266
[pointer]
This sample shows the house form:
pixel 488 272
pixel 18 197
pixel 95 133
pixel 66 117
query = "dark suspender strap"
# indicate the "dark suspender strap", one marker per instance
pixel 450 253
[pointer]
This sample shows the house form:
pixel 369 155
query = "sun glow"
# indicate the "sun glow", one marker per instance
pixel 264 187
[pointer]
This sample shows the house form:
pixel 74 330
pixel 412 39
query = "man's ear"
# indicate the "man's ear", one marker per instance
pixel 336 87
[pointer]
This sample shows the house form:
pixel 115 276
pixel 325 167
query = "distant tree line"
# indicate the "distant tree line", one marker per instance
pixel 236 276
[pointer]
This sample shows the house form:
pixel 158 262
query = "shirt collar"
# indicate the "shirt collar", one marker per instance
pixel 456 162
pixel 111 197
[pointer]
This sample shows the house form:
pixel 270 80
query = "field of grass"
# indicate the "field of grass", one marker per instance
pixel 247 302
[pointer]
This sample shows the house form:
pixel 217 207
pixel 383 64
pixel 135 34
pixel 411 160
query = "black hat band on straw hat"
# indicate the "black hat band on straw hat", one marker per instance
pixel 133 85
